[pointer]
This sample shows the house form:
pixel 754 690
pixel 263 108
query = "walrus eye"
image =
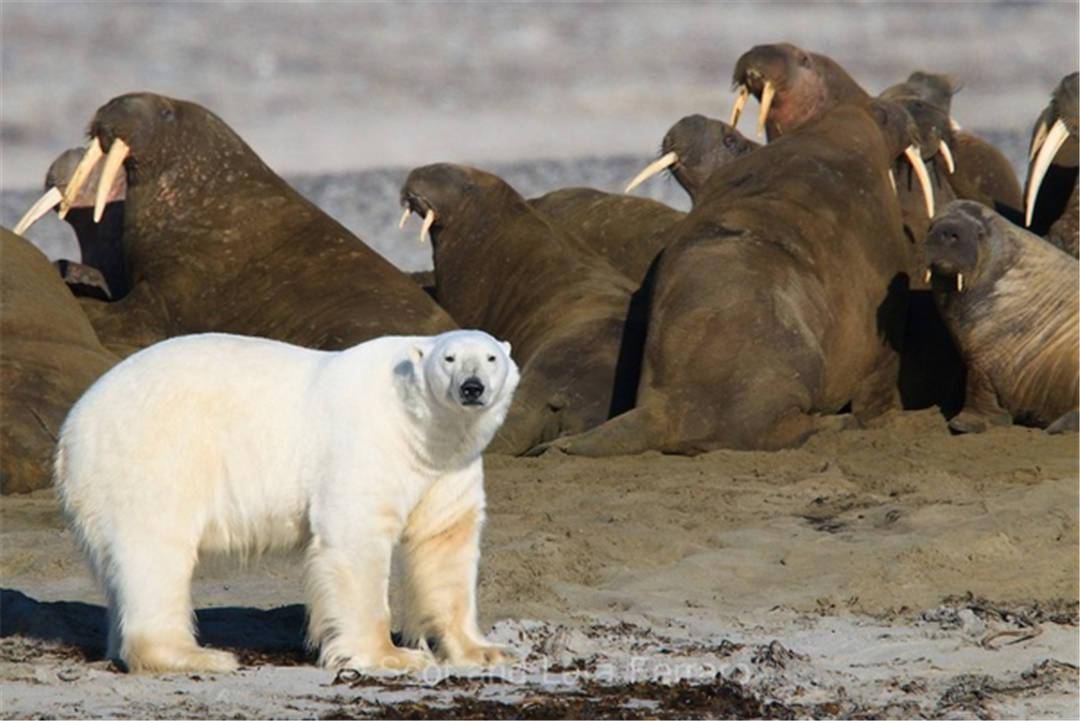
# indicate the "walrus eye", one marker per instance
pixel 167 114
pixel 491 359
pixel 449 359
pixel 730 141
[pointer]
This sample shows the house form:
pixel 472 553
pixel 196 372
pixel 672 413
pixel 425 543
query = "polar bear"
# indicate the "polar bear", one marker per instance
pixel 223 443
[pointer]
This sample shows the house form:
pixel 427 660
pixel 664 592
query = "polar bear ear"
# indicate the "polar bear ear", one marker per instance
pixel 505 346
pixel 416 353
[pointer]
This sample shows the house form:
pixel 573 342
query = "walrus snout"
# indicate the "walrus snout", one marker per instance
pixel 952 247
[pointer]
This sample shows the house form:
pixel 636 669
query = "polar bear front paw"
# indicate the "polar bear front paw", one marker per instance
pixel 397 660
pixel 481 654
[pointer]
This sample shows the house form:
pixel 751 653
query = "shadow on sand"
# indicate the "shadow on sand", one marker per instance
pixel 259 637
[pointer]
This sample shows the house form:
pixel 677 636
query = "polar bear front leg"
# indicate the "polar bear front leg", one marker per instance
pixel 349 614
pixel 441 554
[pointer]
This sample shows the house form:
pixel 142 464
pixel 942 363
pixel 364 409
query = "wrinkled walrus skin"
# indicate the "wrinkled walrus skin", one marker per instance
pixel 216 241
pixel 48 356
pixel 1012 302
pixel 778 301
pixel 503 267
pixel 628 232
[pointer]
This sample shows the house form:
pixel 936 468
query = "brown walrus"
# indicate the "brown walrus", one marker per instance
pixel 503 267
pixel 1012 301
pixel 982 173
pixel 780 298
pixel 100 272
pixel 794 87
pixel 1051 208
pixel 693 149
pixel 629 232
pixel 48 357
pixel 216 241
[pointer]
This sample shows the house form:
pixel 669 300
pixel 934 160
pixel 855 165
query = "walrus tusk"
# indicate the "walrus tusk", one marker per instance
pixel 766 103
pixel 956 127
pixel 426 227
pixel 915 159
pixel 1054 140
pixel 950 164
pixel 740 103
pixel 40 207
pixel 113 162
pixel 927 276
pixel 652 169
pixel 404 217
pixel 82 172
pixel 960 282
pixel 1038 140
pixel 892 180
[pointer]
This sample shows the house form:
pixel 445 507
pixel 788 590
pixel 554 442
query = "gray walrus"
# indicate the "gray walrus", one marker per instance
pixel 1012 301
pixel 100 272
pixel 982 172
pixel 693 149
pixel 1051 207
pixel 779 300
pixel 503 267
pixel 215 241
pixel 48 357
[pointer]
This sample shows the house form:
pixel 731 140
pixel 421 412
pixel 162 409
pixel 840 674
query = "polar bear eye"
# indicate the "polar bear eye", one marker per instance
pixel 491 359
pixel 449 359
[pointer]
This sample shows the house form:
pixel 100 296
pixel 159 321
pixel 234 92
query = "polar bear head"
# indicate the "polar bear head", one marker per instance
pixel 467 370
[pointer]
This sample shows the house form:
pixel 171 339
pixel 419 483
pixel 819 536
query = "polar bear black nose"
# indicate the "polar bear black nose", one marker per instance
pixel 471 390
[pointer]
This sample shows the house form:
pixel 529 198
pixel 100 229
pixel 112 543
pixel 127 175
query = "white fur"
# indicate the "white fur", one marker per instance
pixel 226 443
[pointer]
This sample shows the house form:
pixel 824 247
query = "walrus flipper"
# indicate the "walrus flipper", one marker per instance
pixel 982 410
pixel 1068 423
pixel 635 431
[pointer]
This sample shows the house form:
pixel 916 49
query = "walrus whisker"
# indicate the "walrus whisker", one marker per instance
pixel 404 217
pixel 652 169
pixel 425 229
pixel 917 164
pixel 766 103
pixel 1055 138
pixel 81 174
pixel 41 206
pixel 740 103
pixel 946 153
pixel 1038 140
pixel 113 162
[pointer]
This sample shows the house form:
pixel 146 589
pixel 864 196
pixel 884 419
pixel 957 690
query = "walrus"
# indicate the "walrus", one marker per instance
pixel 215 241
pixel 1050 196
pixel 503 267
pixel 982 172
pixel 100 272
pixel 628 232
pixel 779 300
pixel 1012 301
pixel 794 87
pixel 48 357
pixel 693 149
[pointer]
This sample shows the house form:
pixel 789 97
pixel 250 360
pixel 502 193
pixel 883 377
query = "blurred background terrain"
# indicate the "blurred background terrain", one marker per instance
pixel 344 98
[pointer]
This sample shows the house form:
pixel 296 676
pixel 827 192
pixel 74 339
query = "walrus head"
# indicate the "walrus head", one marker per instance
pixel 1056 125
pixel 933 88
pixel 57 180
pixel 957 250
pixel 693 149
pixel 793 86
pixel 148 136
pixel 902 138
pixel 441 192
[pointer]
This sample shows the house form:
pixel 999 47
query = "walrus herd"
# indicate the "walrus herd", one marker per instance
pixel 869 255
